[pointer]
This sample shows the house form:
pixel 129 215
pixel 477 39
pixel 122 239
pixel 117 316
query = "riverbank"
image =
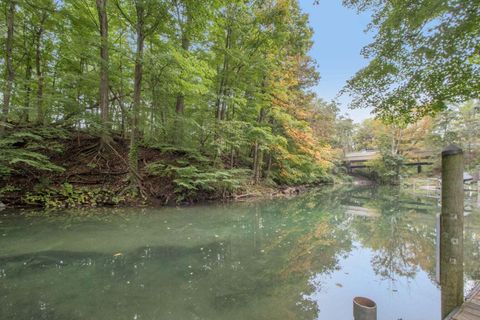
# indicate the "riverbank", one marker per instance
pixel 75 168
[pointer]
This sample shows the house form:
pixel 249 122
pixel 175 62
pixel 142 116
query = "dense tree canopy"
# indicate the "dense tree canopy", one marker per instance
pixel 228 80
pixel 424 55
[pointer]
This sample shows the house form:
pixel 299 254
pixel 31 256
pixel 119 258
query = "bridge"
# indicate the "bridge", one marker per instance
pixel 361 159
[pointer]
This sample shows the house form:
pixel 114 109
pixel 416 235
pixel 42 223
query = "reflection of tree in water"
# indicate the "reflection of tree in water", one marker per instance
pixel 402 238
pixel 315 244
pixel 299 239
pixel 258 267
pixel 393 256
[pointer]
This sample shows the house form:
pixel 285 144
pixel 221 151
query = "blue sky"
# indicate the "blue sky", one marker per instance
pixel 339 37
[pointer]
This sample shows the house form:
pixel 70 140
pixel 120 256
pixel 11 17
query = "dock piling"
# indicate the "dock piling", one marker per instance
pixel 451 230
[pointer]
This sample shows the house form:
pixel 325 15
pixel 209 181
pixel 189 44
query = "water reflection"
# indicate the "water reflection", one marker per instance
pixel 401 237
pixel 301 258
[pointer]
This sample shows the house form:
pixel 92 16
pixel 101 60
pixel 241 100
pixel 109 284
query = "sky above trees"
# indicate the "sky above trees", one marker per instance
pixel 338 38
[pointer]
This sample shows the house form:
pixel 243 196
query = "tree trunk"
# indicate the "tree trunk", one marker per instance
pixel 258 162
pixel 9 72
pixel 180 104
pixel 104 61
pixel 258 152
pixel 154 105
pixel 137 91
pixel 38 67
pixel 121 103
pixel 223 107
pixel 220 103
pixel 269 166
pixel 27 88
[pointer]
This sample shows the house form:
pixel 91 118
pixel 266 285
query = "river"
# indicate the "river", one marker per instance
pixel 300 258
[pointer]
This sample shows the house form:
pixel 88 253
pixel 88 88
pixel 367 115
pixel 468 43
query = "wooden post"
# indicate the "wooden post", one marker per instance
pixel 451 230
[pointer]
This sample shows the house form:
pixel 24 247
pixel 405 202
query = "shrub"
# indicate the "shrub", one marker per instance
pixel 190 180
pixel 27 147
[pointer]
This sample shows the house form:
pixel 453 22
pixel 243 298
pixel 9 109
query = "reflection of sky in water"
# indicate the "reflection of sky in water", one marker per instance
pixel 299 258
pixel 402 298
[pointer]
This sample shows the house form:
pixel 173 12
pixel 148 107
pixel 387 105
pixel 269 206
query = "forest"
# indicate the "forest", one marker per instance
pixel 112 101
pixel 206 94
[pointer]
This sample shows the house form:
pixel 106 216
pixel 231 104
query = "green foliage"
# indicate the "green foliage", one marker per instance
pixel 458 124
pixel 67 196
pixel 387 169
pixel 394 144
pixel 190 180
pixel 187 155
pixel 223 84
pixel 7 189
pixel 299 169
pixel 424 55
pixel 27 148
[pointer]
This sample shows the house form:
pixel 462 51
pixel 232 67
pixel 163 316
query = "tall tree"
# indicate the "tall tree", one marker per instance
pixel 104 60
pixel 144 18
pixel 184 16
pixel 39 32
pixel 27 86
pixel 9 71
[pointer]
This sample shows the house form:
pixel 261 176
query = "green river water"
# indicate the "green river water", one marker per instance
pixel 299 258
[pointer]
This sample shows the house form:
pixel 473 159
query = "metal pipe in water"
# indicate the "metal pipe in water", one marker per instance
pixel 364 309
